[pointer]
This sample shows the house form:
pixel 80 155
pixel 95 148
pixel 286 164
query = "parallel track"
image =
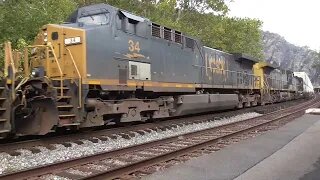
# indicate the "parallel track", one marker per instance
pixel 116 163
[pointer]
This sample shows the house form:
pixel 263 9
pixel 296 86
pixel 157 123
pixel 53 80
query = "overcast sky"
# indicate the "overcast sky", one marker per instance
pixel 296 20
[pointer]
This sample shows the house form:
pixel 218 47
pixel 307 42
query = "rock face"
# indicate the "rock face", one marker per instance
pixel 288 56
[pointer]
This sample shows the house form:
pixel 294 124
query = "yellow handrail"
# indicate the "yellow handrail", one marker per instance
pixel 34 46
pixel 48 48
pixel 9 59
pixel 58 64
pixel 26 63
pixel 79 75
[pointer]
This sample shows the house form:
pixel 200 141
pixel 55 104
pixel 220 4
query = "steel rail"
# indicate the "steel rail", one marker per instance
pixel 115 173
pixel 42 170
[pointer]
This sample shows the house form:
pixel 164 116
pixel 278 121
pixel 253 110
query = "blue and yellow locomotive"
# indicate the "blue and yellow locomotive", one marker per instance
pixel 106 65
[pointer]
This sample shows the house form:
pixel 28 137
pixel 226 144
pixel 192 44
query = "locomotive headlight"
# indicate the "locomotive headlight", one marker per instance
pixel 33 50
pixel 38 72
pixel 73 40
pixel 35 72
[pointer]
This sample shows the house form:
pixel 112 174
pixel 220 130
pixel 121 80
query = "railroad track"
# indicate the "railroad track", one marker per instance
pixel 11 147
pixel 130 160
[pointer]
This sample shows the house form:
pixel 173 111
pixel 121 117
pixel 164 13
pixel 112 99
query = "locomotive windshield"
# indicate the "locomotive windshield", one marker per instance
pixel 97 19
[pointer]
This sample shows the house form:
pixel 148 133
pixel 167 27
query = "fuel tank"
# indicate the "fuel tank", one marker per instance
pixel 190 104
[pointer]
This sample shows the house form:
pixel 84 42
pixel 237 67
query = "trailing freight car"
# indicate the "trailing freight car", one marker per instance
pixel 107 65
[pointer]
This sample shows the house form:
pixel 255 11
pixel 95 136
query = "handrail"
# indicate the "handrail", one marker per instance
pixel 26 63
pixel 33 46
pixel 79 75
pixel 59 67
pixel 8 56
pixel 48 48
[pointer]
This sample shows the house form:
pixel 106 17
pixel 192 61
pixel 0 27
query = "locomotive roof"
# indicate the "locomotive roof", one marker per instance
pixel 217 50
pixel 101 8
pixel 244 57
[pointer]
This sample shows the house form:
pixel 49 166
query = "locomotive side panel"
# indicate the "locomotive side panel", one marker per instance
pixel 123 55
pixel 228 71
pixel 219 69
pixel 172 62
pixel 110 50
pixel 100 61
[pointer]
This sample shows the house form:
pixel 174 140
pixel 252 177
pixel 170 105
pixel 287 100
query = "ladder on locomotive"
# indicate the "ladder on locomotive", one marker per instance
pixel 8 81
pixel 266 90
pixel 68 96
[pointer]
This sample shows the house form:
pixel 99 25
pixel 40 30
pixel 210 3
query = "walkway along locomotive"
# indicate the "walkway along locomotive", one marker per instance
pixel 107 66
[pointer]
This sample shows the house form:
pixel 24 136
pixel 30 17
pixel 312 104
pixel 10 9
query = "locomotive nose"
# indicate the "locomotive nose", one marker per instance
pixel 36 114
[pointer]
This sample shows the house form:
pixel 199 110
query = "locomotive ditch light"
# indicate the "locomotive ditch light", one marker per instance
pixel 37 72
pixel 34 73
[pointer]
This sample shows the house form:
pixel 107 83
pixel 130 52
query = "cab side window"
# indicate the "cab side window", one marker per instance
pixel 97 19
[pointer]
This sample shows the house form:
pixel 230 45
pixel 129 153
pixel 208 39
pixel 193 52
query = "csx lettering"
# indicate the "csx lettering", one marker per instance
pixel 216 65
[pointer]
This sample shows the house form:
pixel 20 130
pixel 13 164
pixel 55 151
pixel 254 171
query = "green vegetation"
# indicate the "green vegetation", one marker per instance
pixel 316 64
pixel 204 19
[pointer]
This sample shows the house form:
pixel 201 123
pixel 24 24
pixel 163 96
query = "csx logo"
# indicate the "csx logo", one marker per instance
pixel 215 65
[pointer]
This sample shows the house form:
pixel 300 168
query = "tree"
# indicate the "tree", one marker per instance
pixel 218 6
pixel 316 66
pixel 204 19
pixel 22 19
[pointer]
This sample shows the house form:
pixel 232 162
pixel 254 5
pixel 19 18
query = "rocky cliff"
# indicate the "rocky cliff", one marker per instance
pixel 288 56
